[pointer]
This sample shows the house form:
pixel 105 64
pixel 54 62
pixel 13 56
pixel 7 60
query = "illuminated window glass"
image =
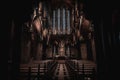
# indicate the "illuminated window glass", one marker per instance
pixel 58 20
pixel 53 20
pixel 68 21
pixel 65 20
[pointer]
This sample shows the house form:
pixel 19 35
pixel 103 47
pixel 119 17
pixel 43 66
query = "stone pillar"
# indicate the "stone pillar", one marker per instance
pixel 70 51
pixel 25 56
pixel 56 47
pixel 11 41
pixel 79 49
pixel 39 51
pixel 52 51
pixel 93 50
pixel 89 49
pixel 44 49
pixel 65 50
pixel 83 51
pixel 32 53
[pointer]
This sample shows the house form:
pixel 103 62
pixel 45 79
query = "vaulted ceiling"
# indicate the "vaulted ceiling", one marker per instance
pixel 57 3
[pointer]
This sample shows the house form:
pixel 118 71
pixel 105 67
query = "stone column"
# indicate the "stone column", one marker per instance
pixel 25 56
pixel 79 49
pixel 89 49
pixel 52 51
pixel 83 51
pixel 44 49
pixel 93 50
pixel 39 52
pixel 70 51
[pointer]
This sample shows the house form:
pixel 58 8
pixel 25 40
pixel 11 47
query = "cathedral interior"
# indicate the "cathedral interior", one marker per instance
pixel 62 40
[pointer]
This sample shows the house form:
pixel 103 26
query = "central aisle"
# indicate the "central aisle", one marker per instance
pixel 61 72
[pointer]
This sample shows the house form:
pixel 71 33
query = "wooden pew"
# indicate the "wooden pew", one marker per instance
pixel 38 73
pixel 71 70
pixel 81 72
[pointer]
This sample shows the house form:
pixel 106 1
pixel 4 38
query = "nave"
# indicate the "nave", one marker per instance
pixel 58 70
pixel 41 32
